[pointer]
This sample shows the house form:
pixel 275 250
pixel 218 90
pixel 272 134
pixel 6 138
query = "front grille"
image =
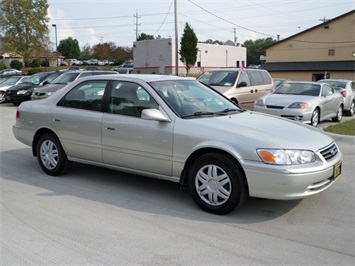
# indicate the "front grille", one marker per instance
pixel 329 151
pixel 274 107
pixel 11 92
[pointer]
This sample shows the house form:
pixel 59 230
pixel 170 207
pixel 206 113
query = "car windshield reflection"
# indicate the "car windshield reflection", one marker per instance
pixel 190 98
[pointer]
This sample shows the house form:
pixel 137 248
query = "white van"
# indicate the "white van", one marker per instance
pixel 243 86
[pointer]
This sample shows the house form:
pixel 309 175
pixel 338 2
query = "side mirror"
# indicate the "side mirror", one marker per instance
pixel 242 84
pixel 154 114
pixel 45 82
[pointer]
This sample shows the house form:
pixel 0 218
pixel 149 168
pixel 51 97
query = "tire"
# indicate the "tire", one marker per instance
pixel 339 115
pixel 51 156
pixel 315 118
pixel 351 111
pixel 2 97
pixel 217 183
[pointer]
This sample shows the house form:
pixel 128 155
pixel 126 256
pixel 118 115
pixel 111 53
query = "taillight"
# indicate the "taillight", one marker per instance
pixel 17 114
pixel 343 93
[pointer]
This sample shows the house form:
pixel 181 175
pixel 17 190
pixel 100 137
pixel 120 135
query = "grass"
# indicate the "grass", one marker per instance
pixel 345 128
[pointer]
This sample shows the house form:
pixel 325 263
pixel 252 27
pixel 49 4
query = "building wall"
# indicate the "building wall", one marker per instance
pixel 158 57
pixel 324 45
pixel 314 45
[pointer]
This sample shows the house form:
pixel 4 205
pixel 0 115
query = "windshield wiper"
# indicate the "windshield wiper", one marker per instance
pixel 201 114
pixel 231 110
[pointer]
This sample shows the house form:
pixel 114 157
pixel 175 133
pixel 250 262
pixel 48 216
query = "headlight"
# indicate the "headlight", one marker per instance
pixel 271 156
pixel 299 105
pixel 23 92
pixel 259 102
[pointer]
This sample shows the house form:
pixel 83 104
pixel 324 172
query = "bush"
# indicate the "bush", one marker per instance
pixel 16 64
pixel 2 66
pixel 35 63
pixel 34 71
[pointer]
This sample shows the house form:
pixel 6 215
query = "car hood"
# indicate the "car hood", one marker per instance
pixel 258 130
pixel 22 86
pixel 286 100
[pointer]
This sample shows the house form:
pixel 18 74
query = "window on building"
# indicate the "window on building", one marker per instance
pixel 331 52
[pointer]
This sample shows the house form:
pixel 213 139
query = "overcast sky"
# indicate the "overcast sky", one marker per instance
pixel 95 21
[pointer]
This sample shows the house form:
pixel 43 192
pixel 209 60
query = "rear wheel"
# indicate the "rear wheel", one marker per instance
pixel 217 183
pixel 315 117
pixel 51 156
pixel 339 115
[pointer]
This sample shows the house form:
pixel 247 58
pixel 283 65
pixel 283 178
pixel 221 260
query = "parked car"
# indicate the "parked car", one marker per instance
pixel 22 92
pixel 93 68
pixel 279 81
pixel 178 129
pixel 242 86
pixel 10 72
pixel 307 102
pixel 347 89
pixel 126 68
pixel 63 80
pixel 8 83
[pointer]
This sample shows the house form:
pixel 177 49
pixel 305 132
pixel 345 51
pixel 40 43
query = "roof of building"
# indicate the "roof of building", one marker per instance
pixel 323 24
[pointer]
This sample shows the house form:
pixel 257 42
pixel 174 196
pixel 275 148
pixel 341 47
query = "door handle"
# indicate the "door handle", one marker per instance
pixel 109 128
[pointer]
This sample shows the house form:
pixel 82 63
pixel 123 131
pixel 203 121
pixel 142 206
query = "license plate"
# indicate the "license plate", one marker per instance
pixel 8 98
pixel 337 170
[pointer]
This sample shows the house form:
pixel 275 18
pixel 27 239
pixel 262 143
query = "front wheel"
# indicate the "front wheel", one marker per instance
pixel 2 97
pixel 51 156
pixel 315 118
pixel 339 115
pixel 217 183
pixel 351 111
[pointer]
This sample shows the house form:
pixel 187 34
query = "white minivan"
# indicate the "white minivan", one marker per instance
pixel 243 86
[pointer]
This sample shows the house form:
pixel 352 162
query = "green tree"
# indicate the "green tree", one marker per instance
pixel 86 52
pixel 143 36
pixel 255 49
pixel 69 48
pixel 188 47
pixel 210 41
pixel 23 24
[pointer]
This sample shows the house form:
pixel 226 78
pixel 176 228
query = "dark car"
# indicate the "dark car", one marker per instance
pixel 22 92
pixel 64 79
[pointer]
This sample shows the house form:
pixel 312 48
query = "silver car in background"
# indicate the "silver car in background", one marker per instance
pixel 180 130
pixel 347 89
pixel 307 102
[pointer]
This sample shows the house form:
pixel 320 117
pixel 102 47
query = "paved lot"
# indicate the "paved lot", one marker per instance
pixel 95 216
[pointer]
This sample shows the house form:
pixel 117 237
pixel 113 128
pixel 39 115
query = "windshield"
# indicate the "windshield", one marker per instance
pixel 298 89
pixel 219 78
pixel 337 84
pixel 65 78
pixel 12 80
pixel 36 79
pixel 190 98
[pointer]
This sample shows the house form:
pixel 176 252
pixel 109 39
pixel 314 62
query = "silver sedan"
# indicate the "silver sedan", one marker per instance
pixel 178 129
pixel 307 102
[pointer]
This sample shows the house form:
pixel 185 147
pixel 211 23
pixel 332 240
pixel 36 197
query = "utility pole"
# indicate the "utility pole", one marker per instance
pixel 176 40
pixel 137 24
pixel 235 35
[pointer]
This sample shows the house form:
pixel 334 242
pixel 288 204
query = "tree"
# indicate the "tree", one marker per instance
pixel 210 41
pixel 188 50
pixel 23 24
pixel 255 49
pixel 143 36
pixel 69 48
pixel 86 52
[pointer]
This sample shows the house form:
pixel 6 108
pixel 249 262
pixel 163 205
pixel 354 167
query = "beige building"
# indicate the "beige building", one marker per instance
pixel 326 50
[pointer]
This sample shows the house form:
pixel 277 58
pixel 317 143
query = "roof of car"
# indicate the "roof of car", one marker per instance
pixel 145 77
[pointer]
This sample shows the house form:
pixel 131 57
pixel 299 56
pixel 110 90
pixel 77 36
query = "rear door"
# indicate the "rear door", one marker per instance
pixel 77 120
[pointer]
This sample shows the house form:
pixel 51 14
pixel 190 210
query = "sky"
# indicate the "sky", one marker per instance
pixel 118 21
